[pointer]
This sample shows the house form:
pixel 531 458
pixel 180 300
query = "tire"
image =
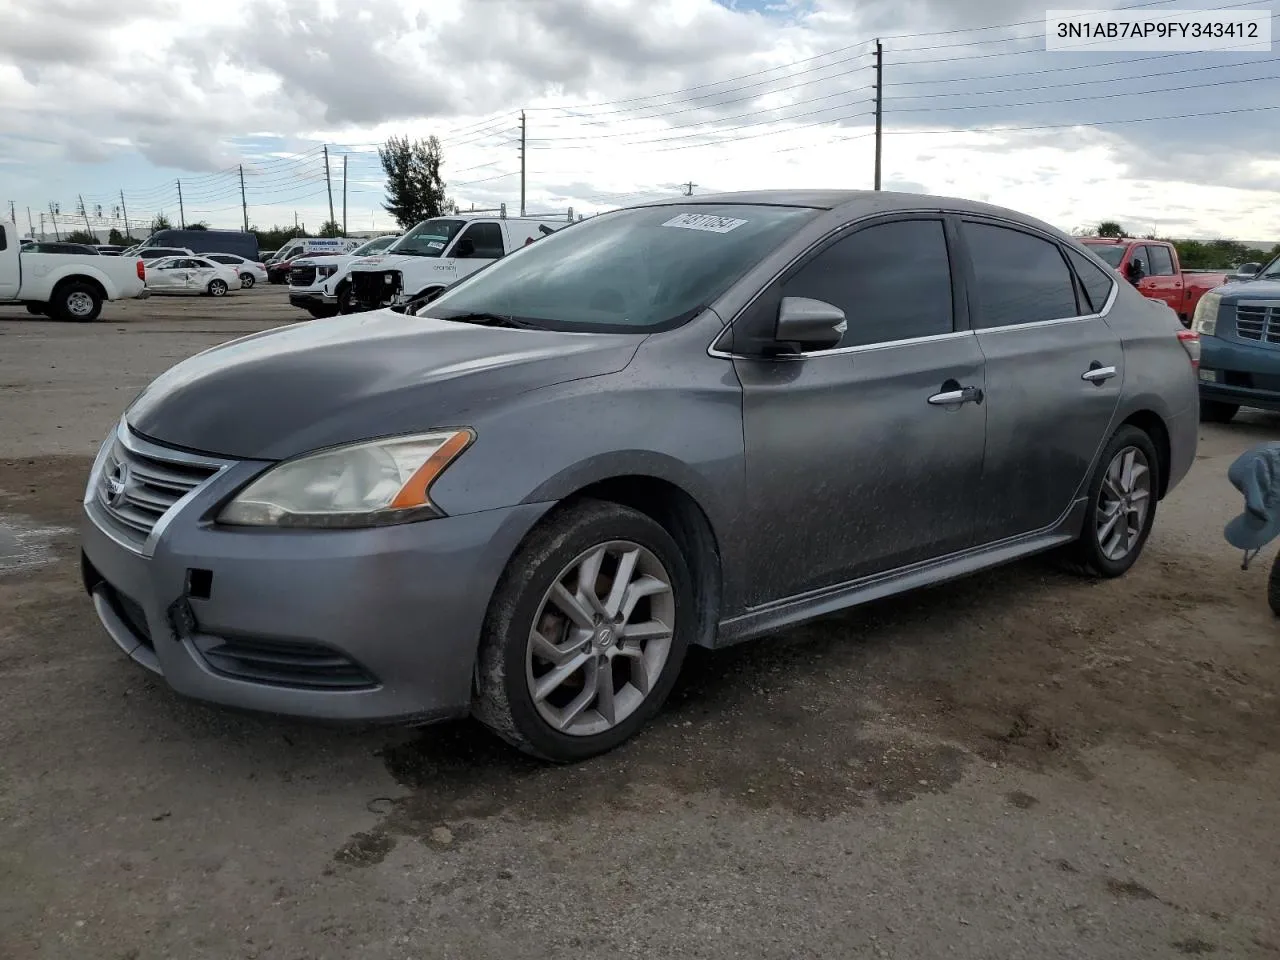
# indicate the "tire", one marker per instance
pixel 1090 554
pixel 1215 411
pixel 322 313
pixel 507 668
pixel 246 280
pixel 77 302
pixel 1273 587
pixel 343 295
pixel 217 288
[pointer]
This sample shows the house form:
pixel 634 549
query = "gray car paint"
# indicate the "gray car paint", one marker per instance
pixel 812 501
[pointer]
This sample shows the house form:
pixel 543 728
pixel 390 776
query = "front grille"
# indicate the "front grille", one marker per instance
pixel 371 288
pixel 284 663
pixel 1258 321
pixel 302 276
pixel 136 489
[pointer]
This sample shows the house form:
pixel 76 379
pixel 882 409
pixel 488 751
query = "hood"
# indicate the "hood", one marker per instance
pixel 392 261
pixel 1235 290
pixel 283 392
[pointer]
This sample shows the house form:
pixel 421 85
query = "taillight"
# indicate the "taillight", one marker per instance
pixel 1190 341
pixel 142 271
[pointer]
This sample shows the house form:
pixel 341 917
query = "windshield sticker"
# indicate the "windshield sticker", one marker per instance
pixel 435 245
pixel 705 222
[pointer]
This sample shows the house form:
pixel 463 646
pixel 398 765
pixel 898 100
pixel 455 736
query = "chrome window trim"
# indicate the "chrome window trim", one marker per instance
pixel 912 213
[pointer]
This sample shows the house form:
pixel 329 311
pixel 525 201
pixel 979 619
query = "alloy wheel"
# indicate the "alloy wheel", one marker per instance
pixel 1123 503
pixel 600 638
pixel 79 304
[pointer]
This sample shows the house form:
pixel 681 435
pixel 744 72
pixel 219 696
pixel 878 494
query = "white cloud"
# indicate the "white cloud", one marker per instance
pixel 626 100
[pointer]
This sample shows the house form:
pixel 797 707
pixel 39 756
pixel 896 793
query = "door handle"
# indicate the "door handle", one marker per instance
pixel 1097 373
pixel 953 393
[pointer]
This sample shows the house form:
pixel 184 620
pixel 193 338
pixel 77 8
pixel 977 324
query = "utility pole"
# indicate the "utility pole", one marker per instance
pixel 688 188
pixel 328 182
pixel 182 213
pixel 344 194
pixel 244 204
pixel 31 223
pixel 879 105
pixel 125 211
pixel 13 213
pixel 85 212
pixel 53 215
pixel 523 150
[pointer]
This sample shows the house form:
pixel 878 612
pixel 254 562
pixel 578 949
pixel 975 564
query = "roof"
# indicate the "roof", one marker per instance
pixel 868 201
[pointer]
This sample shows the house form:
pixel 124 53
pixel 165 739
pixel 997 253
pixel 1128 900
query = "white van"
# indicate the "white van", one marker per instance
pixel 305 246
pixel 439 251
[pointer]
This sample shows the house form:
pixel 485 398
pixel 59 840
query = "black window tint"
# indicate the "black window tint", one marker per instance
pixel 1018 278
pixel 892 280
pixel 230 261
pixel 487 239
pixel 4 241
pixel 1096 281
pixel 1160 263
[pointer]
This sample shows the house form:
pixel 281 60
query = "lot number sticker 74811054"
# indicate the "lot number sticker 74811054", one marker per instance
pixel 704 221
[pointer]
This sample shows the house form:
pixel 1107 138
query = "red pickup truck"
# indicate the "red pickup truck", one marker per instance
pixel 1152 266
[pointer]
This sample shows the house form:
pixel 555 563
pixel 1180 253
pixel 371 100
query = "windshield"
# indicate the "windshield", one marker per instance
pixel 373 246
pixel 427 239
pixel 1112 253
pixel 1270 270
pixel 633 270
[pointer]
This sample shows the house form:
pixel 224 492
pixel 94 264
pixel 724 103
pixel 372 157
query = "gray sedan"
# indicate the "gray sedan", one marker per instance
pixel 694 422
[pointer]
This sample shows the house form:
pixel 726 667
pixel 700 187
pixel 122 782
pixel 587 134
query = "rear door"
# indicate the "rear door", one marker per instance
pixel 856 461
pixel 1054 373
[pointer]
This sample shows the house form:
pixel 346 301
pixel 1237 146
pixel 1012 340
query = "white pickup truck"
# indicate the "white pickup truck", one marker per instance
pixel 65 286
pixel 321 285
pixel 438 252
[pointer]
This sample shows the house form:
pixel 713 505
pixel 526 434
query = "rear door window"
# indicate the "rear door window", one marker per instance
pixel 1018 277
pixel 1097 283
pixel 1159 262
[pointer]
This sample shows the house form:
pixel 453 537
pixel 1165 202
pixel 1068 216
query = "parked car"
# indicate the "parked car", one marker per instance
pixel 65 286
pixel 437 252
pixel 691 422
pixel 1239 328
pixel 205 242
pixel 278 268
pixel 59 247
pixel 192 275
pixel 1152 266
pixel 322 286
pixel 250 271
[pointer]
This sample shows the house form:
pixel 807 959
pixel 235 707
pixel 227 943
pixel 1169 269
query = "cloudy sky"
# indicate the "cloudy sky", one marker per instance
pixel 625 100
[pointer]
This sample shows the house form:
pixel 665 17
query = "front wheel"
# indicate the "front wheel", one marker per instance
pixel 217 288
pixel 585 634
pixel 1215 411
pixel 1121 505
pixel 343 295
pixel 246 280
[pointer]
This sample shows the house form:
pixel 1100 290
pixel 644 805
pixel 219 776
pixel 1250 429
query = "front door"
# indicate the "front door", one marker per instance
pixel 1054 372
pixel 863 458
pixel 1160 281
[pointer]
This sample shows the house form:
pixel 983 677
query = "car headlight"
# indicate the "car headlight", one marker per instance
pixel 328 271
pixel 367 484
pixel 1205 319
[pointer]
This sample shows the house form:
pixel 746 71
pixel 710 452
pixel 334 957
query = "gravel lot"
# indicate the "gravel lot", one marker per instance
pixel 1018 765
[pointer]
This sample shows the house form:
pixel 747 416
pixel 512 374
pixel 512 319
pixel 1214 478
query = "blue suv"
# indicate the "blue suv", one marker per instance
pixel 1239 327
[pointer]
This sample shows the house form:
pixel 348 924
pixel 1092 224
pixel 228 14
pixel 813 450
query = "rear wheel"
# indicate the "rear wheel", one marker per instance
pixel 585 634
pixel 246 280
pixel 217 288
pixel 1121 505
pixel 1215 411
pixel 76 301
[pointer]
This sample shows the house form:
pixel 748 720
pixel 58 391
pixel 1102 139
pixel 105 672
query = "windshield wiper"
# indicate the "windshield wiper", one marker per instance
pixel 492 320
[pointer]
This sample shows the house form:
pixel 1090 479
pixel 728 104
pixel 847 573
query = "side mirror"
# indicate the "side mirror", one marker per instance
pixel 1137 269
pixel 466 248
pixel 1248 270
pixel 809 324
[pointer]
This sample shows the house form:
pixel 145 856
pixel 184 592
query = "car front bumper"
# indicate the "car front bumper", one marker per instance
pixel 350 625
pixel 1239 373
pixel 311 298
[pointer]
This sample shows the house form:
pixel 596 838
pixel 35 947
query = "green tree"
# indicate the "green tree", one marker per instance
pixel 1110 228
pixel 276 237
pixel 198 225
pixel 415 189
pixel 330 228
pixel 116 238
pixel 81 236
pixel 161 222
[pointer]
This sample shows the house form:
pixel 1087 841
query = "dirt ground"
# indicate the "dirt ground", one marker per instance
pixel 1022 764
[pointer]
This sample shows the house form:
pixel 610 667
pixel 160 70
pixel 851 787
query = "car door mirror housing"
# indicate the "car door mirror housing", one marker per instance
pixel 807 324
pixel 1137 269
